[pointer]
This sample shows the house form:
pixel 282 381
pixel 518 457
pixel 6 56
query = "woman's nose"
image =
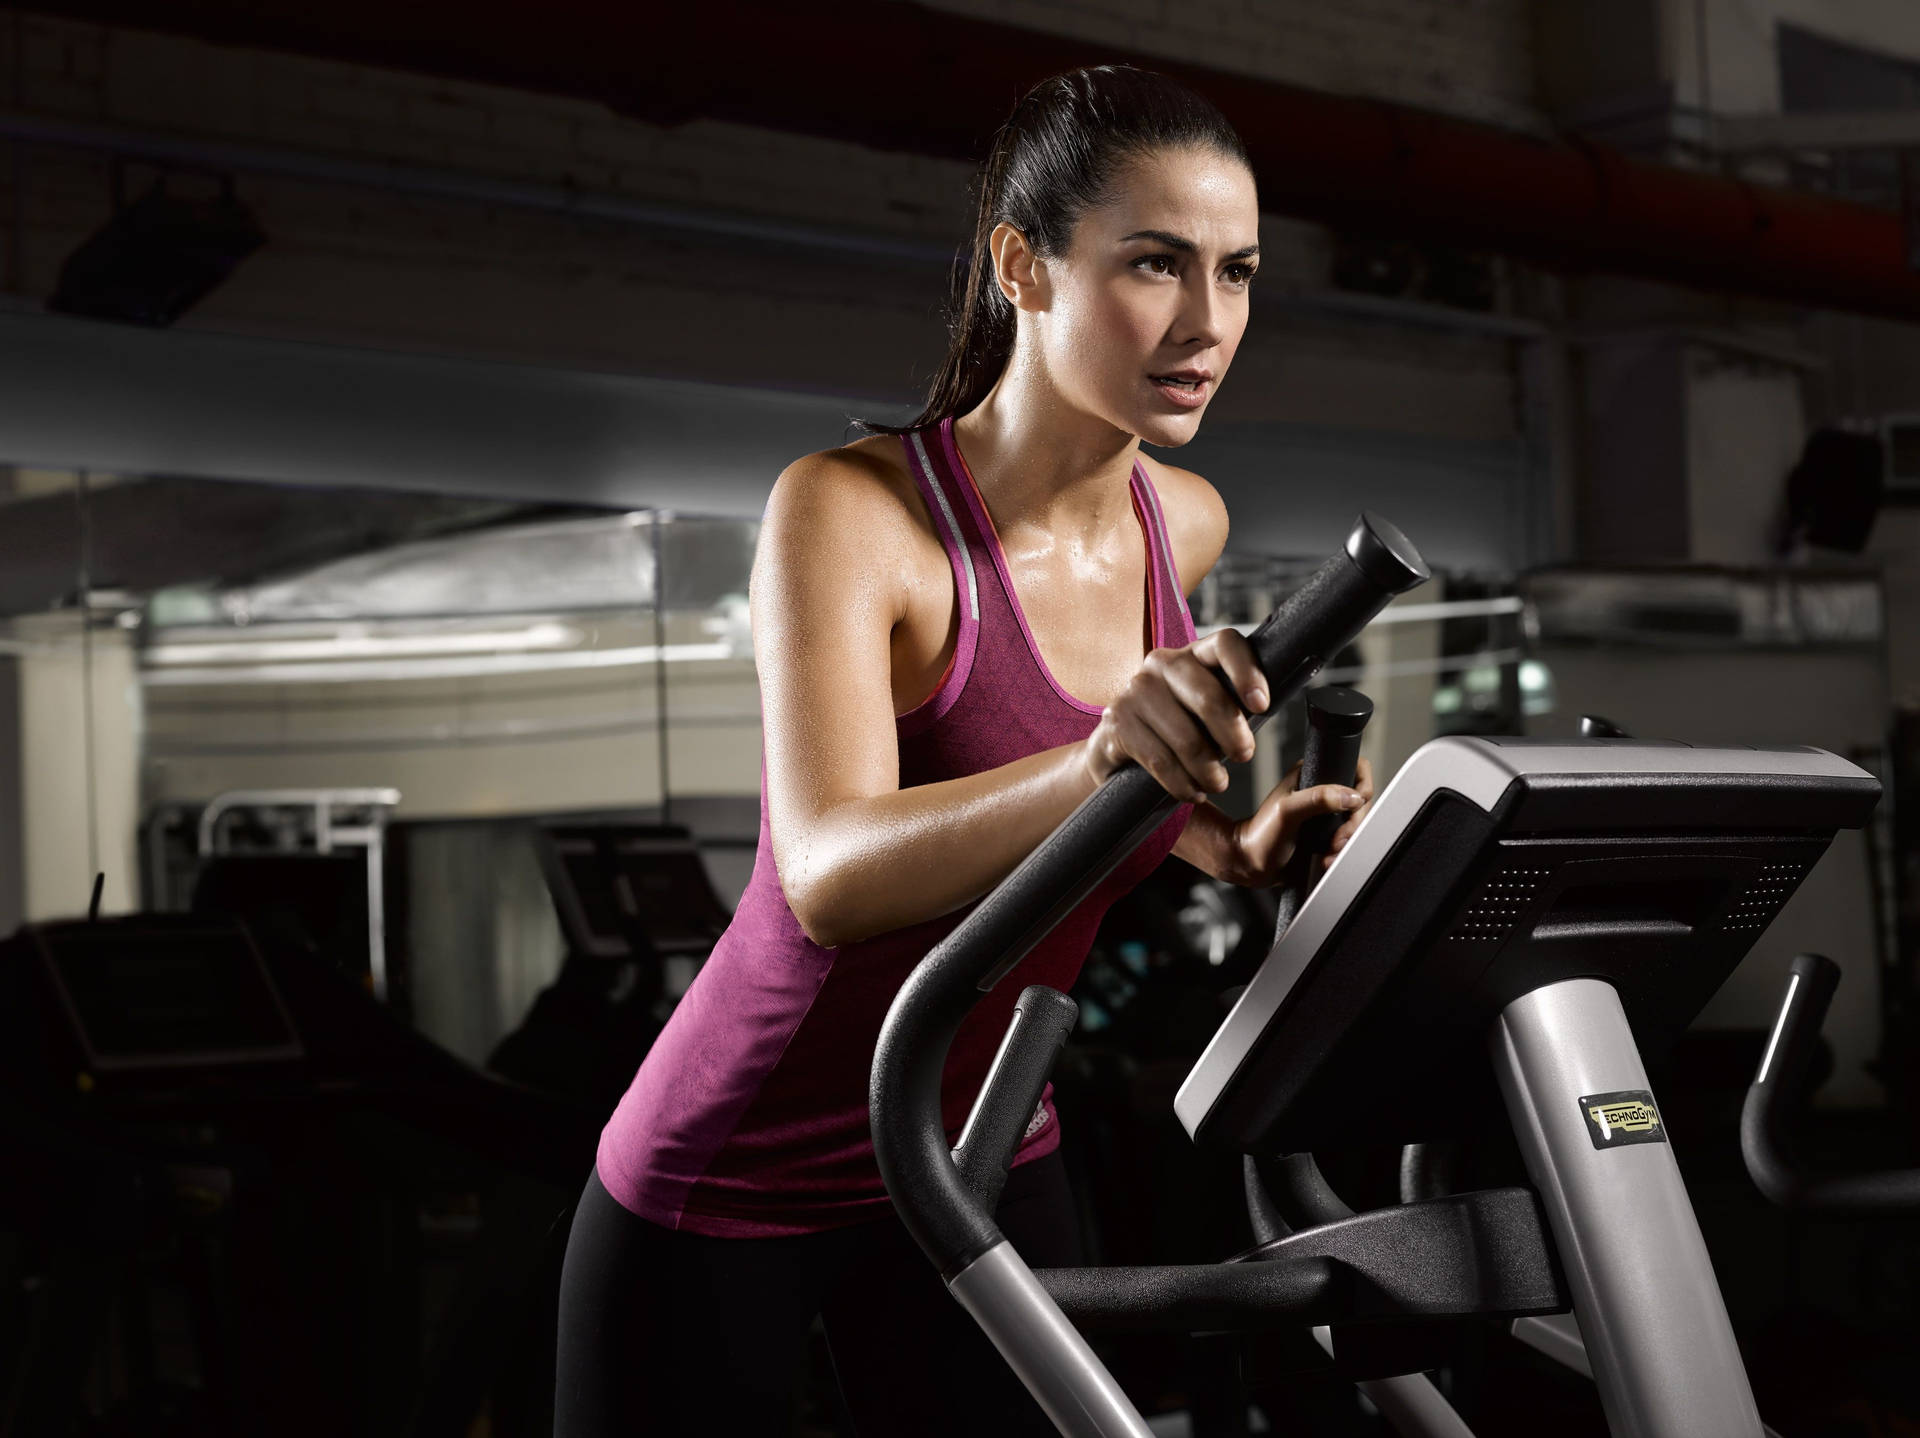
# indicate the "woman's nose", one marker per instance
pixel 1201 317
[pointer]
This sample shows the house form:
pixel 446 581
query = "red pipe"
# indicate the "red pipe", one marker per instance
pixel 900 77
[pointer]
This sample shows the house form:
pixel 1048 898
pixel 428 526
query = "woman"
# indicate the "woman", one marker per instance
pixel 962 626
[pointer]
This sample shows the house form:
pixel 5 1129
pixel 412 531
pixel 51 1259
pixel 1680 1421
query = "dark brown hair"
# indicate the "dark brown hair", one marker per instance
pixel 1052 161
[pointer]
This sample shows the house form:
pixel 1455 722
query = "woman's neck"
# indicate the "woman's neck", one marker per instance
pixel 1038 461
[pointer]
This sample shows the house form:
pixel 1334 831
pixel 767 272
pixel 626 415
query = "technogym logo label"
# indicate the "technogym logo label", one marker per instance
pixel 1628 1116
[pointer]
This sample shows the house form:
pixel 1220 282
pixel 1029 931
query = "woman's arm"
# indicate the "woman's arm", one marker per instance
pixel 834 574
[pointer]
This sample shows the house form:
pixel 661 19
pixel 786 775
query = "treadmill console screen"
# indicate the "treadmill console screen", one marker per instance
pixel 613 885
pixel 166 996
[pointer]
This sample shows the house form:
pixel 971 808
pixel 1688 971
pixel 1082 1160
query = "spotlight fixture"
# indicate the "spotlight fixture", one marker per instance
pixel 157 257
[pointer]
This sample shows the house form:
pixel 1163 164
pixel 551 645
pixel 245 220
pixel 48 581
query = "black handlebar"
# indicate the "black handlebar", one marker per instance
pixel 943 1213
pixel 1290 1193
pixel 1336 718
pixel 1772 1098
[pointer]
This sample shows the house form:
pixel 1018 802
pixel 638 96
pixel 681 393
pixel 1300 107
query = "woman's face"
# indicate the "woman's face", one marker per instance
pixel 1141 321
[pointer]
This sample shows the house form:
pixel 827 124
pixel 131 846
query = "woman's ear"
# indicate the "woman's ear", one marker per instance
pixel 1020 273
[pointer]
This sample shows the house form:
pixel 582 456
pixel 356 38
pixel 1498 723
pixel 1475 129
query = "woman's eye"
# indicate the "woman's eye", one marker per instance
pixel 1149 261
pixel 1240 274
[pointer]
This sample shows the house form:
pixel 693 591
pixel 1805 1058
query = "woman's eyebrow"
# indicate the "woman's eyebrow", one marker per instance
pixel 1180 242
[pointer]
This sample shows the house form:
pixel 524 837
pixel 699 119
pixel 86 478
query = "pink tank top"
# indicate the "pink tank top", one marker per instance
pixel 748 1117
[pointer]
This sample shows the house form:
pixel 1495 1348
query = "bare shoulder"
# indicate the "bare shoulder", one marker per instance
pixel 850 516
pixel 857 497
pixel 1196 518
pixel 866 481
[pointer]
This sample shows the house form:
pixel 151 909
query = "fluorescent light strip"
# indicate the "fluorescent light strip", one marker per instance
pixel 1415 613
pixel 1366 673
pixel 1450 609
pixel 364 646
pixel 461 667
pixel 465 734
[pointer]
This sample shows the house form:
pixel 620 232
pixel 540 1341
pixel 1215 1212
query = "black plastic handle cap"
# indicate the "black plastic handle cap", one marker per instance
pixel 1385 555
pixel 1341 712
pixel 1820 973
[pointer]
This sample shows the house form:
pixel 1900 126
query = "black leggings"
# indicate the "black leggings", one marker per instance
pixel 663 1331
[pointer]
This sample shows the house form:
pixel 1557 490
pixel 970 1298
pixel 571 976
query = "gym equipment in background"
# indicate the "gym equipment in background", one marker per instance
pixel 639 915
pixel 249 1191
pixel 633 891
pixel 305 867
pixel 1508 920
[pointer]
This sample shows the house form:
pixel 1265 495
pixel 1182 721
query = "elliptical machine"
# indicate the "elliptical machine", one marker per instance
pixel 1508 919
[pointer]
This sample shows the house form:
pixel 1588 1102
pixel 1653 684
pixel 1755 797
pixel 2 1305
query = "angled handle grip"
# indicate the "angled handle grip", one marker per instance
pixel 1008 1099
pixel 1336 718
pixel 1768 1111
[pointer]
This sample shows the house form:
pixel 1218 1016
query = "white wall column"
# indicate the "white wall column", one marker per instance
pixel 72 728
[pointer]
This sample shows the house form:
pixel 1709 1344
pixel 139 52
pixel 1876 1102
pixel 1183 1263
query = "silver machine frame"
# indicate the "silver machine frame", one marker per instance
pixel 1652 1321
pixel 1652 1326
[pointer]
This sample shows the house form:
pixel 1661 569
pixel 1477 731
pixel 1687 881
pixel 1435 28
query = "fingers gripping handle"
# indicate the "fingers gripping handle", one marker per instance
pixel 1324 614
pixel 1336 718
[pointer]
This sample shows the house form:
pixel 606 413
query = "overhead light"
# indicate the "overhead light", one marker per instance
pixel 156 258
pixel 456 666
pixel 354 643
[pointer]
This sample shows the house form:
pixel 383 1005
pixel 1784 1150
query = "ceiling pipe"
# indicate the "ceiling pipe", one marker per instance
pixel 463 187
pixel 864 246
pixel 901 77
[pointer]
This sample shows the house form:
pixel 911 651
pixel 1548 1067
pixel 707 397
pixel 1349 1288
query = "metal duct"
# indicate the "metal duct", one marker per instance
pixel 903 78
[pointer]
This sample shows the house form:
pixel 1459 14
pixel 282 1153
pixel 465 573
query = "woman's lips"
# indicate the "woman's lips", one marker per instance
pixel 1187 397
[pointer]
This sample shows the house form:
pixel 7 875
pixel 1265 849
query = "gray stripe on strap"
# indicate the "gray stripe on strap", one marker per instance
pixel 1160 536
pixel 953 526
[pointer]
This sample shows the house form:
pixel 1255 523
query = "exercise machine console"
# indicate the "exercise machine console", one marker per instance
pixel 1509 926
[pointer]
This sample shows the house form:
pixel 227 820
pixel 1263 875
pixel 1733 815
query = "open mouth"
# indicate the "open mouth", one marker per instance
pixel 1181 389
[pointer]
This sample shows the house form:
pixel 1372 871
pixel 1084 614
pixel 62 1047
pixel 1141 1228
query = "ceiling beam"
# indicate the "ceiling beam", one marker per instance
pixel 900 77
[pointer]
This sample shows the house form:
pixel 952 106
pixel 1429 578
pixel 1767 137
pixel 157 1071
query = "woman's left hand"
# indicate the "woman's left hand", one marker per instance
pixel 1263 843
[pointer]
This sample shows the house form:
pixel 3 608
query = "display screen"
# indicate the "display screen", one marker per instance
pixel 149 997
pixel 606 883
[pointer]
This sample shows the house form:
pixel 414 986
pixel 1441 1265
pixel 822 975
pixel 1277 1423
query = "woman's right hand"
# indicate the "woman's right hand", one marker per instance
pixel 1177 721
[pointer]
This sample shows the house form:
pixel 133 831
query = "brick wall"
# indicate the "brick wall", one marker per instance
pixel 1464 57
pixel 374 268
